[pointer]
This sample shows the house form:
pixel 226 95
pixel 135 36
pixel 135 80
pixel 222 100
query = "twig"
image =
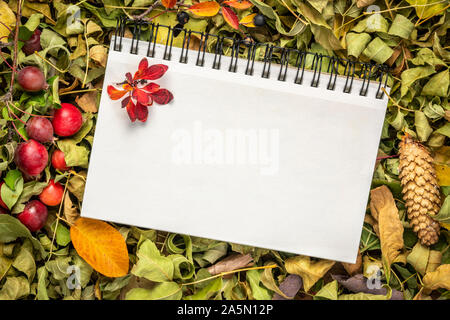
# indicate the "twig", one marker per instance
pixel 148 10
pixel 8 95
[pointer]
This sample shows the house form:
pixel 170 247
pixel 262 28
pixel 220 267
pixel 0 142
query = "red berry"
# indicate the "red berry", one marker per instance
pixel 2 204
pixel 58 161
pixel 31 157
pixel 40 129
pixel 33 44
pixel 52 194
pixel 34 215
pixel 67 120
pixel 32 79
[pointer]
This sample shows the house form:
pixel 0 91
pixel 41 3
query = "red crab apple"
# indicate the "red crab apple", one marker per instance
pixel 33 44
pixel 67 120
pixel 52 194
pixel 31 157
pixel 58 161
pixel 2 204
pixel 32 79
pixel 40 129
pixel 34 215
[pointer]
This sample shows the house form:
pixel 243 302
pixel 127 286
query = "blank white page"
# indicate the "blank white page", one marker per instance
pixel 238 158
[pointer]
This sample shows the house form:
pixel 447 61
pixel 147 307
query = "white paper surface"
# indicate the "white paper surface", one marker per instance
pixel 238 158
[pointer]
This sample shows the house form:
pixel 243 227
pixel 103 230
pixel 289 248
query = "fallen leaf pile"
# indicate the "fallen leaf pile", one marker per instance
pixel 77 258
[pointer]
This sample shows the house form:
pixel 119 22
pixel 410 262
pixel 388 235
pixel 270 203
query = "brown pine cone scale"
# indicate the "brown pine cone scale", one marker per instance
pixel 420 189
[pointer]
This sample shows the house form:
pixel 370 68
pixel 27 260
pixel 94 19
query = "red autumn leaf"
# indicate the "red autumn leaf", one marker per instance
pixel 141 96
pixel 114 93
pixel 155 71
pixel 240 5
pixel 151 87
pixel 205 9
pixel 131 109
pixel 230 17
pixel 128 77
pixel 141 112
pixel 169 4
pixel 125 101
pixel 162 96
pixel 143 66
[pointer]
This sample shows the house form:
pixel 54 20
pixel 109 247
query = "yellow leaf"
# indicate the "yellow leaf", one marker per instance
pixel 8 18
pixel 310 272
pixel 383 208
pixel 247 21
pixel 440 278
pixel 100 245
pixel 446 225
pixel 442 174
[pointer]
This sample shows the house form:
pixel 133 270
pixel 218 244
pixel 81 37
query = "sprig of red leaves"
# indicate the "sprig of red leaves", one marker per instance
pixel 140 93
pixel 211 8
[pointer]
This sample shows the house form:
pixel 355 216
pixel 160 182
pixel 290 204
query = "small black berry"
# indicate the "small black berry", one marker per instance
pixel 183 17
pixel 259 20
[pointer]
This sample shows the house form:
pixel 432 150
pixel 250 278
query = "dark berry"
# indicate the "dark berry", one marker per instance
pixel 33 44
pixel 183 17
pixel 32 79
pixel 259 20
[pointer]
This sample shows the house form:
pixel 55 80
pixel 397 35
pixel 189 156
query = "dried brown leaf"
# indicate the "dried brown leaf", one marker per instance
pixel 230 263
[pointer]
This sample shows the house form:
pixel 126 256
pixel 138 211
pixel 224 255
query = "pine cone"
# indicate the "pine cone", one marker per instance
pixel 420 189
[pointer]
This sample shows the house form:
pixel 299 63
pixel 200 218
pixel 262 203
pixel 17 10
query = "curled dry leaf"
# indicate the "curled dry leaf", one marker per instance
pixel 383 208
pixel 353 268
pixel 88 102
pixel 233 262
pixel 99 54
pixel 205 9
pixel 440 278
pixel 100 245
pixel 358 284
pixel 289 286
pixel 71 213
pixel 310 271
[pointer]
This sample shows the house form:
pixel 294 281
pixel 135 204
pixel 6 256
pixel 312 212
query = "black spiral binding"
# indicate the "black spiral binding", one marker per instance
pixel 284 57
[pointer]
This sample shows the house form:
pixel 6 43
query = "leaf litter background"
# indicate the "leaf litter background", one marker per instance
pixel 409 36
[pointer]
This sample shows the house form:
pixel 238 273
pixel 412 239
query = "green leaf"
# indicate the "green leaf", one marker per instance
pixel 24 262
pixel 423 128
pixel 73 154
pixel 11 229
pixel 427 8
pixel 401 26
pixel 151 264
pixel 59 267
pixel 161 291
pixel 183 268
pixel 426 56
pixel 15 288
pixel 444 213
pixel 328 291
pixel 378 51
pixel 356 43
pixel 12 178
pixel 32 188
pixel 434 111
pixel 62 234
pixel 259 292
pixel 9 196
pixel 418 258
pixel 437 85
pixel 411 75
pixel 362 296
pixel 444 130
pixel 42 275
pixel 268 11
pixel 208 291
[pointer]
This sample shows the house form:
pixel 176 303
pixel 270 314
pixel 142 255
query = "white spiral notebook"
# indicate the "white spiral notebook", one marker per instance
pixel 241 158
